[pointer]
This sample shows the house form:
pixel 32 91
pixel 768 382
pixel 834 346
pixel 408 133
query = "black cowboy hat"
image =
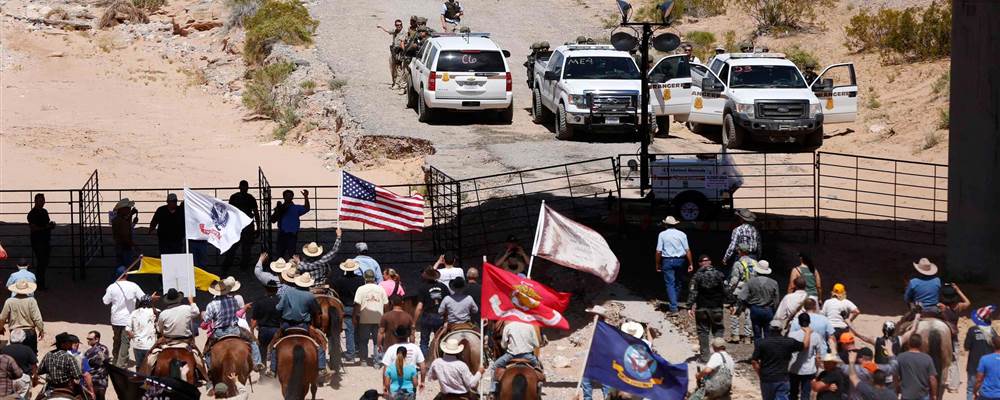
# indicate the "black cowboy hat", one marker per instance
pixel 271 284
pixel 66 337
pixel 949 295
pixel 172 297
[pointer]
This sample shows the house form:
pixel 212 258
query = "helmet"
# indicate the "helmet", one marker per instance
pixel 464 29
pixel 422 20
pixel 543 45
pixel 581 39
pixel 889 328
pixel 534 46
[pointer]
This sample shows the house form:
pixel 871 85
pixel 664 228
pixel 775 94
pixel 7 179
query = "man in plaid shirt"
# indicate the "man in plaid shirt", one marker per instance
pixel 96 355
pixel 745 234
pixel 316 263
pixel 60 368
pixel 221 313
pixel 9 372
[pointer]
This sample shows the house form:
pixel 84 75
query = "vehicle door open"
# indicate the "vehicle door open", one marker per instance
pixel 837 91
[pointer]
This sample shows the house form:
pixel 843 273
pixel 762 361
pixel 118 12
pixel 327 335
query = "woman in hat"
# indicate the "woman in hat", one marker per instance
pixel 924 289
pixel 453 374
pixel 22 313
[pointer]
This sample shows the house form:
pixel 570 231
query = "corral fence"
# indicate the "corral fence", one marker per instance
pixel 814 194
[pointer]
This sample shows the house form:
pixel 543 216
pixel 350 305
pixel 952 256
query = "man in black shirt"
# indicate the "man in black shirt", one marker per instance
pixel 266 317
pixel 428 319
pixel 244 201
pixel 978 341
pixel 168 225
pixel 25 357
pixel 705 301
pixel 346 285
pixel 771 356
pixel 831 384
pixel 41 236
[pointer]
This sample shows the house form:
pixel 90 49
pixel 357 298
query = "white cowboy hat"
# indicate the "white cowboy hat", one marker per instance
pixel 23 286
pixel 670 220
pixel 832 357
pixel 232 283
pixel 633 328
pixel 312 249
pixel 290 273
pixel 279 265
pixel 746 215
pixel 926 267
pixel 218 288
pixel 763 267
pixel 124 203
pixel 349 265
pixel 452 346
pixel 305 280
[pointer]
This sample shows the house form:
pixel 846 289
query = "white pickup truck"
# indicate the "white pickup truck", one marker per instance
pixel 586 86
pixel 753 96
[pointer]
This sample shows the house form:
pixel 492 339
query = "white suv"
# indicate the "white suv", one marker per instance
pixel 462 72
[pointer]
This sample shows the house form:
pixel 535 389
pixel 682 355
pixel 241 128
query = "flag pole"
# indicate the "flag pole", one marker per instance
pixel 187 242
pixel 597 317
pixel 537 238
pixel 340 199
pixel 482 331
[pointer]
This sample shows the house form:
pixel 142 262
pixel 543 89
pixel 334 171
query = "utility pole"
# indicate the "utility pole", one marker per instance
pixel 644 158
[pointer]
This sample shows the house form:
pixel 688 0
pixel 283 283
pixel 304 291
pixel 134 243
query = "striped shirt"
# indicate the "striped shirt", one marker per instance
pixel 320 267
pixel 9 372
pixel 743 234
pixel 222 311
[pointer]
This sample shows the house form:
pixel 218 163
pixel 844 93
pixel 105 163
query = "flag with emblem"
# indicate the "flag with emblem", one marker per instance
pixel 626 363
pixel 362 201
pixel 213 220
pixel 509 297
pixel 573 245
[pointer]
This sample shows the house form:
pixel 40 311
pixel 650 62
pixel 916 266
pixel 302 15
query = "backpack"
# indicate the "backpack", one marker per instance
pixel 720 382
pixel 452 8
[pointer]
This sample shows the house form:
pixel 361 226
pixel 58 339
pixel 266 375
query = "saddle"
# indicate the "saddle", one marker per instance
pixel 525 363
pixel 59 393
pixel 296 332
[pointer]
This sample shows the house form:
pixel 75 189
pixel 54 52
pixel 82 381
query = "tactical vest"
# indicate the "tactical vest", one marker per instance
pixel 452 8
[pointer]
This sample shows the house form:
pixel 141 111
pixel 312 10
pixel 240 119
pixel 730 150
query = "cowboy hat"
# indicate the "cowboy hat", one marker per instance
pixel 762 267
pixel 349 265
pixel 312 249
pixel 124 203
pixel 670 220
pixel 832 357
pixel 172 297
pixel 948 295
pixel 279 265
pixel 23 286
pixel 66 337
pixel 982 316
pixel 926 267
pixel 633 328
pixel 305 280
pixel 361 246
pixel 225 286
pixel 289 274
pixel 430 274
pixel 746 215
pixel 452 346
pixel 232 283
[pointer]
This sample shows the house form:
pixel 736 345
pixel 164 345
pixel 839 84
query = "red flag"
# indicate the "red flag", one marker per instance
pixel 509 297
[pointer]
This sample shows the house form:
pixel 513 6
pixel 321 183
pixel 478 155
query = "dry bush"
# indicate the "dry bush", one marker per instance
pixel 702 43
pixel 285 21
pixel 910 34
pixel 121 10
pixel 801 57
pixel 57 13
pixel 240 11
pixel 149 5
pixel 260 95
pixel 783 15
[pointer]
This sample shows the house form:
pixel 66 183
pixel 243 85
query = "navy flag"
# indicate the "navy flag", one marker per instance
pixel 626 363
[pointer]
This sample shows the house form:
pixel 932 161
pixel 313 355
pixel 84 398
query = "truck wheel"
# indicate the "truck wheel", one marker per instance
pixel 424 113
pixel 507 115
pixel 733 136
pixel 538 111
pixel 815 138
pixel 563 129
pixel 663 126
pixel 411 96
pixel 691 207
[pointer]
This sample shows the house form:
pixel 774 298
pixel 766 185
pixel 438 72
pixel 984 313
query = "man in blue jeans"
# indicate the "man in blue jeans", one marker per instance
pixel 346 284
pixel 760 295
pixel 427 314
pixel 672 251
pixel 771 357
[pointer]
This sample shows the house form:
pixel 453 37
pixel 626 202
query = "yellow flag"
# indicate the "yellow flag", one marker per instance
pixel 202 278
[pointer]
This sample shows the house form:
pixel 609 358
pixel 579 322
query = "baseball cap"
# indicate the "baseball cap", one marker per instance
pixel 839 289
pixel 846 338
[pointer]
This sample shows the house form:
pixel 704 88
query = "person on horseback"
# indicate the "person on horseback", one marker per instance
pixel 316 263
pixel 924 290
pixel 221 313
pixel 60 367
pixel 174 325
pixel 458 308
pixel 453 374
pixel 297 306
pixel 265 318
pixel 519 341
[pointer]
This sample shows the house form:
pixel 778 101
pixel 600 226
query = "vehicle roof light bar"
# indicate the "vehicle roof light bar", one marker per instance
pixel 757 55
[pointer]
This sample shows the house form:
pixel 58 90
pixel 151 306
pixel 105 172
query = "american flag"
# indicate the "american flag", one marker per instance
pixel 364 202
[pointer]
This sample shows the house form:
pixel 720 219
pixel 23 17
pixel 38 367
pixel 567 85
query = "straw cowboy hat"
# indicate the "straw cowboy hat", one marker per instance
pixel 349 265
pixel 926 267
pixel 832 357
pixel 762 267
pixel 124 203
pixel 289 274
pixel 312 249
pixel 452 346
pixel 225 286
pixel 633 328
pixel 746 215
pixel 305 280
pixel 23 286
pixel 670 220
pixel 279 265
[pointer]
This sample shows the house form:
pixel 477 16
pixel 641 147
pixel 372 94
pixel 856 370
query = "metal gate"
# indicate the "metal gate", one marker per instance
pixel 445 198
pixel 89 227
pixel 264 228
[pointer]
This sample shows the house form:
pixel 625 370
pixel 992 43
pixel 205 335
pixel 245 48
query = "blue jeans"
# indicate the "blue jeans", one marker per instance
pixel 426 329
pixel 264 336
pixel 774 390
pixel 140 357
pixel 503 360
pixel 234 330
pixel 760 318
pixel 349 334
pixel 124 255
pixel 672 272
pixel 588 389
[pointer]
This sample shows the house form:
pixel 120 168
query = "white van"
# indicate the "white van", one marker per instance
pixel 696 186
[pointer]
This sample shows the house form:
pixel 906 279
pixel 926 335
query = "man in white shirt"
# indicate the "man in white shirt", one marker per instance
pixel 520 341
pixel 369 304
pixel 791 304
pixel 445 265
pixel 452 373
pixel 121 296
pixel 413 354
pixel 671 251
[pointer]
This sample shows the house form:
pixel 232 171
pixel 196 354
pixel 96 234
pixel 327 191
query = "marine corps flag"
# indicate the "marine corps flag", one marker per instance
pixel 509 297
pixel 626 363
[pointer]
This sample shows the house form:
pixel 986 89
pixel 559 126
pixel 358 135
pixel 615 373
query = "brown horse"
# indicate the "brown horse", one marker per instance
pixel 936 342
pixel 162 366
pixel 520 381
pixel 298 365
pixel 60 394
pixel 230 355
pixel 471 355
pixel 330 321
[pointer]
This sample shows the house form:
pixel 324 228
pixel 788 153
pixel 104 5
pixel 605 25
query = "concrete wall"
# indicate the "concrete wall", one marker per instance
pixel 974 158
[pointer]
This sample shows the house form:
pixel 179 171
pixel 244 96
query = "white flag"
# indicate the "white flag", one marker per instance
pixel 208 218
pixel 571 244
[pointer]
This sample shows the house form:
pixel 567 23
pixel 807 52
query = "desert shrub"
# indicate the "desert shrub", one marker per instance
pixel 910 34
pixel 287 119
pixel 701 42
pixel 942 85
pixel 944 119
pixel 260 95
pixel 240 11
pixel 730 41
pixel 149 5
pixel 121 10
pixel 286 21
pixel 308 86
pixel 336 83
pixel 802 58
pixel 872 99
pixel 699 8
pixel 783 15
pixel 931 139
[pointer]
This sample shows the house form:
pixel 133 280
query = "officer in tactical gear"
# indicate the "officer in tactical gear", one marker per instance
pixel 451 15
pixel 538 49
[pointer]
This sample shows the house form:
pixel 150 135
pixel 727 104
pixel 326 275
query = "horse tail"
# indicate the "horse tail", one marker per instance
pixel 519 387
pixel 935 346
pixel 333 337
pixel 295 389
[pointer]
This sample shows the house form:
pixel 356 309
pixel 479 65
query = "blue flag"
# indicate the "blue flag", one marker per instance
pixel 626 363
